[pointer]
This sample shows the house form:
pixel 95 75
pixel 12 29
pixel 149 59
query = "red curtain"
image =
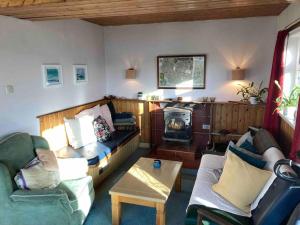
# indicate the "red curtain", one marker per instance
pixel 296 140
pixel 271 119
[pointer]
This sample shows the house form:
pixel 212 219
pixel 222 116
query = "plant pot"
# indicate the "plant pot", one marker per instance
pixel 253 100
pixel 290 112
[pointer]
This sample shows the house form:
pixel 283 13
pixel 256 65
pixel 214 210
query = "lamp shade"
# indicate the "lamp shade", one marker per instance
pixel 238 74
pixel 131 73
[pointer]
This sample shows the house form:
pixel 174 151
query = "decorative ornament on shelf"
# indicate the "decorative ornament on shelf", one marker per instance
pixel 252 93
pixel 140 95
pixel 288 104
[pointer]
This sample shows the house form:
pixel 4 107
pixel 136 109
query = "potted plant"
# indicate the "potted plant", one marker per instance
pixel 253 94
pixel 288 104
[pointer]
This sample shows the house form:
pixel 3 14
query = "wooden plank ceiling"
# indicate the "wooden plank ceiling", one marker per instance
pixel 118 12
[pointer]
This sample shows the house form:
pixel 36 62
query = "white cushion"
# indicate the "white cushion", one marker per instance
pixel 211 161
pixel 94 112
pixel 80 131
pixel 246 136
pixel 72 168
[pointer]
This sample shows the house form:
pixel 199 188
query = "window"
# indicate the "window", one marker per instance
pixel 291 72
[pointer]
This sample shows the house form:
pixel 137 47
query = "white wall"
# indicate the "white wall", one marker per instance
pixel 24 47
pixel 289 16
pixel 248 43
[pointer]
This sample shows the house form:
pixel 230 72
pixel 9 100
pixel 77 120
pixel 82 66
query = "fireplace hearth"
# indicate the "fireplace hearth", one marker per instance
pixel 178 124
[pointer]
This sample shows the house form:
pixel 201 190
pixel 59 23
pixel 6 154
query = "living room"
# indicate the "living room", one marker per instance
pixel 144 106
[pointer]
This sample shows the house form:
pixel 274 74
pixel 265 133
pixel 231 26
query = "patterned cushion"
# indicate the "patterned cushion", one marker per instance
pixel 101 129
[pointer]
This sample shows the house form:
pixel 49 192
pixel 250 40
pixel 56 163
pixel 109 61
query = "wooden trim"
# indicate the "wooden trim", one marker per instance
pixel 293 26
pixel 72 107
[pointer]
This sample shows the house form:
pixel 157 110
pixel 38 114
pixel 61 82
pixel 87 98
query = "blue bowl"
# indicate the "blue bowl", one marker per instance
pixel 157 164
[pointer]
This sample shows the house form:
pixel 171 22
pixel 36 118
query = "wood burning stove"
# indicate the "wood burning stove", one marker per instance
pixel 178 124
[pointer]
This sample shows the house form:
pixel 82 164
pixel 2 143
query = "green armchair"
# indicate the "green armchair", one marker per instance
pixel 67 204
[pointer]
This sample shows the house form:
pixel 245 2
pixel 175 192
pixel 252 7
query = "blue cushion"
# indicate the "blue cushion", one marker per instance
pixel 96 151
pixel 249 146
pixel 249 159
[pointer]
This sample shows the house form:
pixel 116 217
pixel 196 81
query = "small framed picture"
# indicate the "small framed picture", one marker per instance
pixel 52 75
pixel 80 74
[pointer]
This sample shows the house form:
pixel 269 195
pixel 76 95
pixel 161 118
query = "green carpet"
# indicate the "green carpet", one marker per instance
pixel 100 213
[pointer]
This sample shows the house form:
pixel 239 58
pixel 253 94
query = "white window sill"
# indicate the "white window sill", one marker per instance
pixel 288 120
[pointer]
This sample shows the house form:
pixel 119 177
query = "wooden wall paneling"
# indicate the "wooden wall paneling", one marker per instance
pixel 52 124
pixel 286 137
pixel 237 117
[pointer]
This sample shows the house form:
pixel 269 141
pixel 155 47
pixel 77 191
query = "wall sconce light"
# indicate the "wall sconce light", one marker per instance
pixel 238 74
pixel 131 73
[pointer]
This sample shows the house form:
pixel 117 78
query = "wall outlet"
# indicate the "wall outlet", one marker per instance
pixel 9 89
pixel 205 126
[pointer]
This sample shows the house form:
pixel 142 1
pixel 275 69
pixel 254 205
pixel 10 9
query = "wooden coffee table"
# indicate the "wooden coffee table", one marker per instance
pixel 144 185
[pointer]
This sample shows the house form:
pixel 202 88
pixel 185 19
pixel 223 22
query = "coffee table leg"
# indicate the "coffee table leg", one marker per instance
pixel 116 209
pixel 178 183
pixel 160 214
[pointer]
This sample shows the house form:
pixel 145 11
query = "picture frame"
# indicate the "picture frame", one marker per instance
pixel 80 73
pixel 52 75
pixel 181 71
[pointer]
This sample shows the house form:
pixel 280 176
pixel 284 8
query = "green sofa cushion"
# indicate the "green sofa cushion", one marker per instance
pixel 77 191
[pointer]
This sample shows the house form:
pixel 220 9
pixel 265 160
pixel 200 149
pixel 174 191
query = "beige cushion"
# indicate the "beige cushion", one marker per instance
pixel 36 177
pixel 80 131
pixel 47 158
pixel 240 182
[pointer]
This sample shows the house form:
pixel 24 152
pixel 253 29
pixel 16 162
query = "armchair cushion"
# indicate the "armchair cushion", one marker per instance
pixel 80 193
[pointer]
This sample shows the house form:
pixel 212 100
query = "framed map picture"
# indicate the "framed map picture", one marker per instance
pixel 52 75
pixel 80 74
pixel 181 71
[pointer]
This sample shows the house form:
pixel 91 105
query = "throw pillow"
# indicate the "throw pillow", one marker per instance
pixel 80 131
pixel 249 146
pixel 94 112
pixel 35 176
pixel 246 136
pixel 72 168
pixel 101 129
pixel 263 140
pixel 249 157
pixel 240 182
pixel 105 113
pixel 47 158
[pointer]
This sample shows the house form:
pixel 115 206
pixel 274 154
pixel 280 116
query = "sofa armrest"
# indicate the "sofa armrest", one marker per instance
pixel 6 187
pixel 39 142
pixel 208 214
pixel 42 196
